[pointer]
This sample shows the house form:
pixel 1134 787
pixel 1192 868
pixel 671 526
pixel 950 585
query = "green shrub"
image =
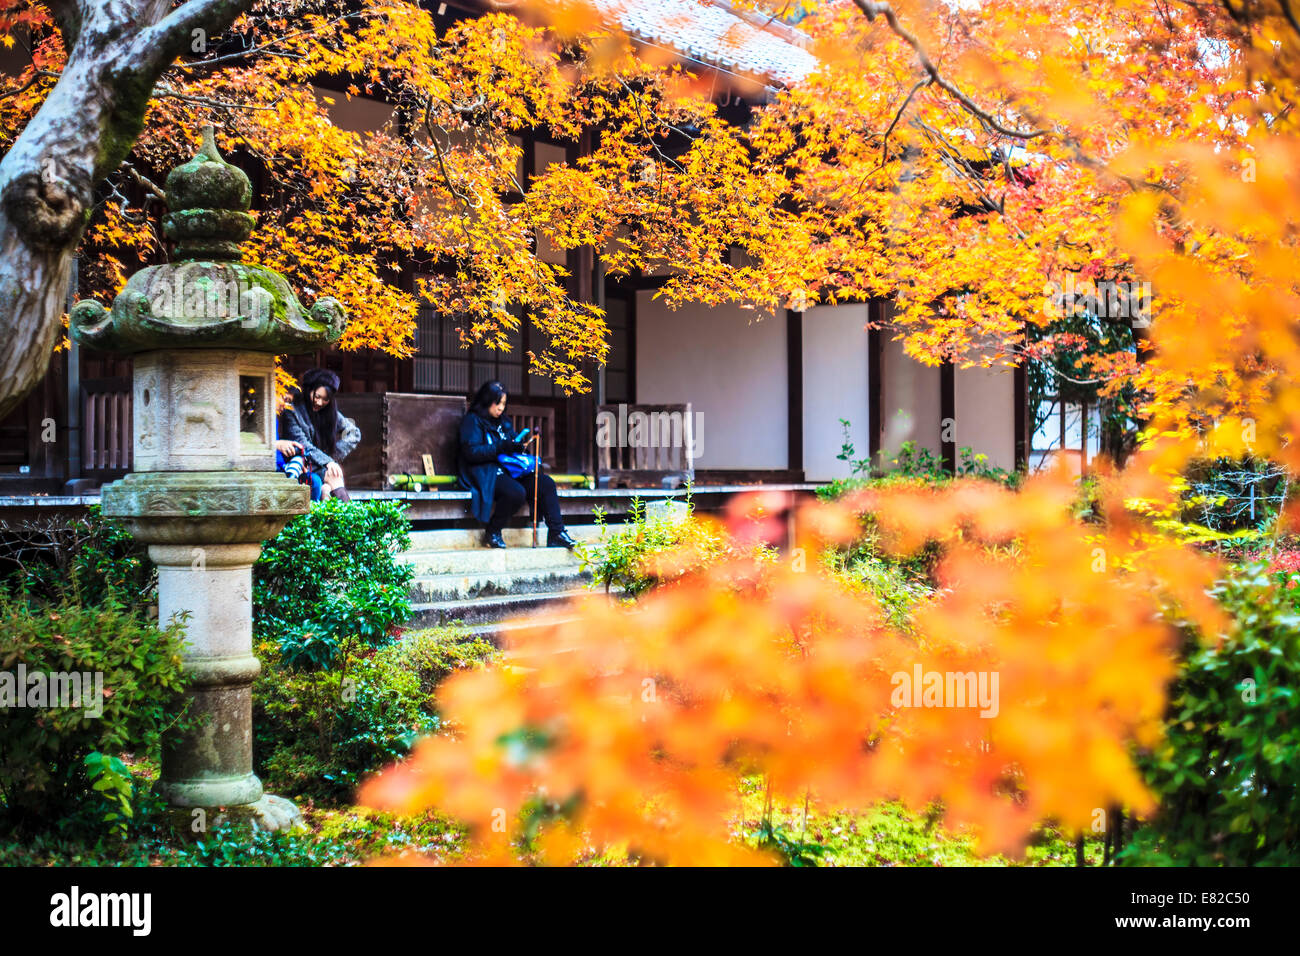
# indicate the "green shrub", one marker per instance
pixel 343 837
pixel 112 780
pixel 153 843
pixel 318 732
pixel 913 463
pixel 331 575
pixel 230 844
pixel 42 748
pixel 307 647
pixel 86 557
pixel 624 557
pixel 1228 772
pixel 434 654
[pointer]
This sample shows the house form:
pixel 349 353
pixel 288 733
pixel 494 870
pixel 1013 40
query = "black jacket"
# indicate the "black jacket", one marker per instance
pixel 298 425
pixel 481 440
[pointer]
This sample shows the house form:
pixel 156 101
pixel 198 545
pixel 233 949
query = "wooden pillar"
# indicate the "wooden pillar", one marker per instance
pixel 875 381
pixel 948 415
pixel 1021 387
pixel 580 409
pixel 794 392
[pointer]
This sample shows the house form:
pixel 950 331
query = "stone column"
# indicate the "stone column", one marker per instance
pixel 212 765
pixel 204 531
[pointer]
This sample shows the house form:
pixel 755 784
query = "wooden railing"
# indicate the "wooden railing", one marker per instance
pixel 105 426
pixel 658 456
pixel 541 420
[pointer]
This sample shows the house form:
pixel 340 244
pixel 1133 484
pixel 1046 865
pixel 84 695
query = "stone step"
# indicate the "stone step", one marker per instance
pixel 468 586
pixel 501 632
pixel 487 610
pixel 471 539
pixel 489 560
pixel 506 633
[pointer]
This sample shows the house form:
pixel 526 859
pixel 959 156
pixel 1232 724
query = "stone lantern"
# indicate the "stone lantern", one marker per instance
pixel 204 492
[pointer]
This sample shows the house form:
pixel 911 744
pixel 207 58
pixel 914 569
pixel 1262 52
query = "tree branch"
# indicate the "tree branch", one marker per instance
pixel 163 42
pixel 148 184
pixel 873 10
pixel 265 48
pixel 35 77
pixel 162 89
pixel 884 144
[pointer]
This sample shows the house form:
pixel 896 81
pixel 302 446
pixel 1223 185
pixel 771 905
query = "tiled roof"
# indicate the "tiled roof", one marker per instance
pixel 708 31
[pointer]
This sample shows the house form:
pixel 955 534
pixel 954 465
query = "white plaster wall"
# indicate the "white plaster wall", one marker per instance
pixel 730 366
pixel 835 385
pixel 910 402
pixel 984 400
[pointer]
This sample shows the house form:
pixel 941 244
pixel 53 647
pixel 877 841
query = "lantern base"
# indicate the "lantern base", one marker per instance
pixel 270 813
pixel 244 789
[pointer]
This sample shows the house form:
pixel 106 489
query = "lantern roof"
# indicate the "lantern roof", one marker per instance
pixel 207 297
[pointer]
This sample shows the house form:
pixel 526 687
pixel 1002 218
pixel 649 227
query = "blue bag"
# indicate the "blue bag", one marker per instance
pixel 517 464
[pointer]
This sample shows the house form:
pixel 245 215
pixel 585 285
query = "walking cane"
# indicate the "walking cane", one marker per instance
pixel 536 439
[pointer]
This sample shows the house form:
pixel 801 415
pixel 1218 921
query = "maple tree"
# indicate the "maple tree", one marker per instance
pixel 878 175
pixel 823 206
pixel 991 150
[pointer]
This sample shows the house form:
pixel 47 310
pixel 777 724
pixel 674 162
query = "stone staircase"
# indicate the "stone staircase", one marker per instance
pixel 457 579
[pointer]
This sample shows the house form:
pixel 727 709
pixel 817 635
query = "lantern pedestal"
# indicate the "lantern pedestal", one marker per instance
pixel 204 531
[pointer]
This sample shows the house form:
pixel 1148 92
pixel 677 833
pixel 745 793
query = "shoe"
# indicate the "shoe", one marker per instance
pixel 493 540
pixel 561 540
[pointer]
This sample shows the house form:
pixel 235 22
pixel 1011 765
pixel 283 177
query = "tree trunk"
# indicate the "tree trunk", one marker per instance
pixel 82 132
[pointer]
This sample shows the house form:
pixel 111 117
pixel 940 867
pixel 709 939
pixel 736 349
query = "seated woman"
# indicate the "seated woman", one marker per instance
pixel 486 432
pixel 290 460
pixel 327 436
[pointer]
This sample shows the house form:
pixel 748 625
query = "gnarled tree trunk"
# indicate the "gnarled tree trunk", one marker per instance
pixel 117 49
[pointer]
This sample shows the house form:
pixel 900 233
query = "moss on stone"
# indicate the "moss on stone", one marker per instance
pixel 208 198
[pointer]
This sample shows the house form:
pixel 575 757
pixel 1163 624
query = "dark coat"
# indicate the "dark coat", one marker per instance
pixel 476 459
pixel 297 422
